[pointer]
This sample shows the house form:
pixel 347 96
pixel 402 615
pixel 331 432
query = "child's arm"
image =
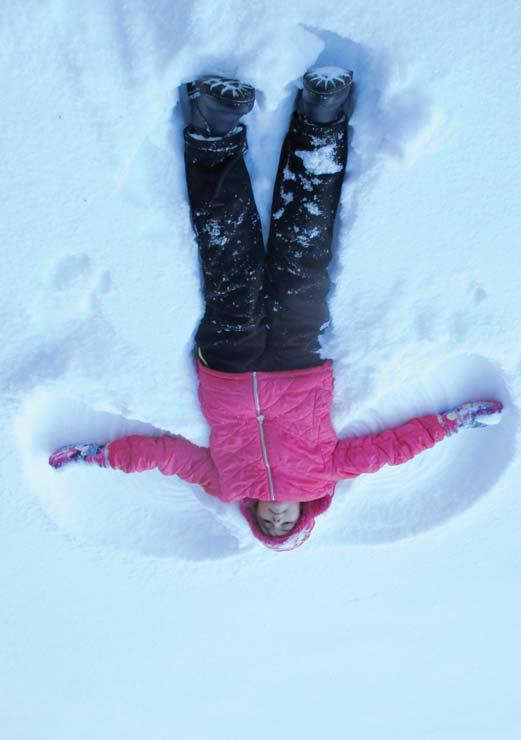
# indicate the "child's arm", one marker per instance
pixel 136 453
pixel 369 453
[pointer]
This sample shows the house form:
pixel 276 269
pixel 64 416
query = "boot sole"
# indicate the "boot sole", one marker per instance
pixel 245 100
pixel 189 93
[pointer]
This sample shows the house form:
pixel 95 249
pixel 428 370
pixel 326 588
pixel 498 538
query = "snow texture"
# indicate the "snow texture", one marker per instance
pixel 320 161
pixel 129 603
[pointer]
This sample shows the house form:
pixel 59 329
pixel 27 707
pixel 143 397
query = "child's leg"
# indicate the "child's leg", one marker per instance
pixel 305 200
pixel 231 335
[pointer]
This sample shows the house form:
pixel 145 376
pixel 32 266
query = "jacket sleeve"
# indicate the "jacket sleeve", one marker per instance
pixel 367 454
pixel 172 455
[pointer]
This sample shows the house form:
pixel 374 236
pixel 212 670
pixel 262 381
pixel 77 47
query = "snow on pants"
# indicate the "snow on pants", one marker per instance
pixel 265 311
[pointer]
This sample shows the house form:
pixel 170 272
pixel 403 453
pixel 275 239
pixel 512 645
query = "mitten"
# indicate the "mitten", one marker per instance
pixel 89 453
pixel 471 415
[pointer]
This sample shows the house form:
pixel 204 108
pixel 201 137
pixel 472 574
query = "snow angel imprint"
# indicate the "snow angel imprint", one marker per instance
pixel 263 386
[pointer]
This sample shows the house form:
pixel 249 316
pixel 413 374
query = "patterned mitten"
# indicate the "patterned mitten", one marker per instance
pixel 471 415
pixel 89 453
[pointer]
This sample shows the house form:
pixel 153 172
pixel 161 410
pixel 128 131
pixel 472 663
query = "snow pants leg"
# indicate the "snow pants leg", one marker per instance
pixel 231 335
pixel 305 201
pixel 265 313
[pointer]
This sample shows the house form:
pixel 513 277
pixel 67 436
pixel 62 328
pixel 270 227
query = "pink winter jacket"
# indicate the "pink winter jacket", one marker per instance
pixel 272 439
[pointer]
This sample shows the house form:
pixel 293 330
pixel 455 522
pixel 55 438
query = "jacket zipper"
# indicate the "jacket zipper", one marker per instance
pixel 260 420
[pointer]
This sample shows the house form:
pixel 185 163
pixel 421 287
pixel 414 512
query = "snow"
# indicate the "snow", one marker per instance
pixel 320 161
pixel 137 606
pixel 312 208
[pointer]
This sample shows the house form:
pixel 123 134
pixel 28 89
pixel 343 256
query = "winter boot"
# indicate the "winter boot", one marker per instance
pixel 213 104
pixel 326 95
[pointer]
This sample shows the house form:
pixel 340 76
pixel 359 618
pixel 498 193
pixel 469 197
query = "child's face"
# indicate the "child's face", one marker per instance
pixel 277 518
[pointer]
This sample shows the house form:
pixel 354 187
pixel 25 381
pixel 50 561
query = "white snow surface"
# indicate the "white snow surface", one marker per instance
pixel 137 607
pixel 320 161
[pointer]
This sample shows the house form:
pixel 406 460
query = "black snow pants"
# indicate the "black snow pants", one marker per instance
pixel 265 311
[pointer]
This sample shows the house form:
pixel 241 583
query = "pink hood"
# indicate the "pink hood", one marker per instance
pixel 300 532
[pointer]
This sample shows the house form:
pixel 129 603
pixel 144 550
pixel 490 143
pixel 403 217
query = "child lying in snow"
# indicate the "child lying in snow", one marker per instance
pixel 263 387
